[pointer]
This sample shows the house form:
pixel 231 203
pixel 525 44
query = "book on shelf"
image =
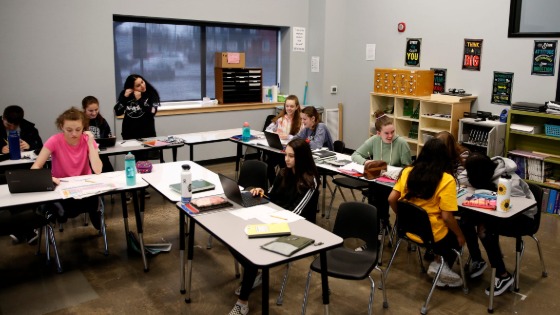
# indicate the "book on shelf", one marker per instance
pixel 551 201
pixel 557 204
pixel 531 165
pixel 546 194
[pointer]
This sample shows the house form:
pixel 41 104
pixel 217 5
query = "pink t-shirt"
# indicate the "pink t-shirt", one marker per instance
pixel 68 160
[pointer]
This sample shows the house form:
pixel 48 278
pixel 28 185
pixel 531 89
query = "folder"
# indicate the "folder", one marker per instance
pixel 267 230
pixel 288 245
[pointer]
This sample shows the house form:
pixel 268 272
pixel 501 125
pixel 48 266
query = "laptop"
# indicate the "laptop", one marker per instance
pixel 106 142
pixel 198 185
pixel 232 192
pixel 273 140
pixel 23 181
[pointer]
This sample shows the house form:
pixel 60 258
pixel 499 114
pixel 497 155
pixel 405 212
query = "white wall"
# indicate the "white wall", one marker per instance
pixel 443 25
pixel 53 53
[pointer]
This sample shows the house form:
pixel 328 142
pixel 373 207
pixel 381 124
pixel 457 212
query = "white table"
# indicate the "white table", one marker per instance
pixel 27 157
pixel 192 139
pixel 132 145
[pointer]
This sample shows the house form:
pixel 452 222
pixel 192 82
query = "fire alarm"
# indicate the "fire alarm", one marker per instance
pixel 401 27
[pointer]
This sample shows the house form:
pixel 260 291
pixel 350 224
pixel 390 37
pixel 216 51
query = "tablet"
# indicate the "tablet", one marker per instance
pixel 198 185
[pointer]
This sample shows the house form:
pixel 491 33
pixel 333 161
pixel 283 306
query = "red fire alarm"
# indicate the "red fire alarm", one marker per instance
pixel 401 27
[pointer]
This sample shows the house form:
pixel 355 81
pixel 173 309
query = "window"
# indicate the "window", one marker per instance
pixel 177 57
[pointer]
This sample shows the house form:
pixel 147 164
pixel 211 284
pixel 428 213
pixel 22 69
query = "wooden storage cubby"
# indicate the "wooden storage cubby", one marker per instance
pixel 428 124
pixel 238 85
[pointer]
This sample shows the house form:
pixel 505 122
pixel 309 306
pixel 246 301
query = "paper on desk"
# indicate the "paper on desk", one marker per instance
pixel 280 216
pixel 79 188
pixel 355 167
pixel 252 212
pixel 130 143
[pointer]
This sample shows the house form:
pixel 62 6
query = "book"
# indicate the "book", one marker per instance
pixel 557 203
pixel 267 230
pixel 198 185
pixel 323 155
pixel 339 163
pixel 551 201
pixel 288 245
pixel 546 193
pixel 481 201
pixel 210 203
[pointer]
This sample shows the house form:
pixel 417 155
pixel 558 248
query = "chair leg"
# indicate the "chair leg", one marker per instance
pixel 424 309
pixel 236 265
pixel 103 228
pixel 332 199
pixel 385 302
pixel 518 256
pixel 51 239
pixel 85 219
pixel 372 290
pixel 419 254
pixel 461 267
pixel 391 260
pixel 280 299
pixel 209 244
pixel 544 272
pixel 353 194
pixel 306 294
pixel 39 238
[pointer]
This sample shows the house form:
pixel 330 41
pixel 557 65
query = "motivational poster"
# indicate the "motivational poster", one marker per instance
pixel 472 54
pixel 412 54
pixel 544 54
pixel 439 80
pixel 501 88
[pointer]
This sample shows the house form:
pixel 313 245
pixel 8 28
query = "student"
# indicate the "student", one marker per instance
pixel 73 152
pixel 295 189
pixel 483 173
pixel 286 124
pixel 386 146
pixel 98 126
pixel 314 130
pixel 457 152
pixel 28 134
pixel 427 184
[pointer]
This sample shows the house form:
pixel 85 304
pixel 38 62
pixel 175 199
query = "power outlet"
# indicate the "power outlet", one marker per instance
pixel 334 89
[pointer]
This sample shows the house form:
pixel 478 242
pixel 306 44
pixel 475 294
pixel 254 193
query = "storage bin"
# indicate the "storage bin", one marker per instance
pixel 552 130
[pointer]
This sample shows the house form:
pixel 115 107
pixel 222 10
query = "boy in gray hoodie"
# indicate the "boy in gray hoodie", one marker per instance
pixel 481 172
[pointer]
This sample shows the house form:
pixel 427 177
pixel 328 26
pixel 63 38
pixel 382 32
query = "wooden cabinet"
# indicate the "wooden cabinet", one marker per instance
pixel 434 115
pixel 547 146
pixel 238 85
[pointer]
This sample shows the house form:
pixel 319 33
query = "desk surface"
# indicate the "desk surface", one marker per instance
pixel 212 136
pixel 518 205
pixel 27 157
pixel 124 146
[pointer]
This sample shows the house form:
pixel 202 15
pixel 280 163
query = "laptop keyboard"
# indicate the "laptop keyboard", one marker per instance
pixel 249 200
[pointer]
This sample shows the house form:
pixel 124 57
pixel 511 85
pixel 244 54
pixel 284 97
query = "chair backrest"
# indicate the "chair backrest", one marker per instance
pixel 267 121
pixel 538 193
pixel 357 220
pixel 413 219
pixel 339 146
pixel 253 174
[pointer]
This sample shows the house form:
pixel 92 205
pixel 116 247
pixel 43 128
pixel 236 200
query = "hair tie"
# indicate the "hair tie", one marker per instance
pixel 380 117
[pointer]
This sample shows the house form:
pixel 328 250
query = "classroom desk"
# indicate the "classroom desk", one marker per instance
pixel 260 144
pixel 519 205
pixel 27 157
pixel 9 200
pixel 132 145
pixel 192 139
pixel 229 229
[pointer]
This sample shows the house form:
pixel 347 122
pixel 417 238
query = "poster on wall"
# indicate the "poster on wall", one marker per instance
pixel 439 79
pixel 501 88
pixel 412 54
pixel 472 54
pixel 298 39
pixel 544 54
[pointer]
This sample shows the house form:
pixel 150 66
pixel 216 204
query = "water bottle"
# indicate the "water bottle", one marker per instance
pixel 504 193
pixel 130 169
pixel 246 132
pixel 13 145
pixel 186 184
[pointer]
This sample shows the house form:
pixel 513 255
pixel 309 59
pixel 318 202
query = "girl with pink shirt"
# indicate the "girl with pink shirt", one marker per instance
pixel 72 151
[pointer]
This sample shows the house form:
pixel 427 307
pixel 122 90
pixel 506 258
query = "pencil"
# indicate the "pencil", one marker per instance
pixel 264 196
pixel 277 217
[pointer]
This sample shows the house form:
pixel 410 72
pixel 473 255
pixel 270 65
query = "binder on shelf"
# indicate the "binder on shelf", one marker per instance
pixel 551 201
pixel 527 128
pixel 546 194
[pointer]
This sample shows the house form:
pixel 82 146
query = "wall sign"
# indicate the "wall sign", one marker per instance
pixel 501 88
pixel 544 54
pixel 472 54
pixel 412 53
pixel 440 75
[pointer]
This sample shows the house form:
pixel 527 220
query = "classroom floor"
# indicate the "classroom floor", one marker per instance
pixel 117 284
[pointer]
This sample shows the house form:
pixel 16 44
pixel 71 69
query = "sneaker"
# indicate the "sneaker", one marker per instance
pixel 361 248
pixel 433 268
pixel 239 309
pixel 258 281
pixel 501 285
pixel 15 239
pixel 452 284
pixel 448 276
pixel 477 268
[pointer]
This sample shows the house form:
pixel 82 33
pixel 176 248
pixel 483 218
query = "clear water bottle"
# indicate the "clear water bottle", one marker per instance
pixel 503 200
pixel 246 132
pixel 186 184
pixel 130 169
pixel 13 145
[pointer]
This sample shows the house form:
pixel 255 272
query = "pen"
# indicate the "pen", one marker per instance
pixel 123 142
pixel 264 196
pixel 277 217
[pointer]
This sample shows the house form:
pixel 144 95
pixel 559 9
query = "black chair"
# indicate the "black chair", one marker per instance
pixel 414 220
pixel 354 220
pixel 344 181
pixel 14 221
pixel 338 147
pixel 519 244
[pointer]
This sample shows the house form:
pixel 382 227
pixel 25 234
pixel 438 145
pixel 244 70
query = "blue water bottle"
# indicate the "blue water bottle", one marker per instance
pixel 13 145
pixel 246 133
pixel 130 169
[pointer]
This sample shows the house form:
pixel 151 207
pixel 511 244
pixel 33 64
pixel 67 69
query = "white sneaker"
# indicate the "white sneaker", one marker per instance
pixel 453 284
pixel 448 276
pixel 239 309
pixel 433 268
pixel 258 281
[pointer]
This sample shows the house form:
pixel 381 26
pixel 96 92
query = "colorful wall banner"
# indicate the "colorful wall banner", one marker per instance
pixel 440 75
pixel 472 54
pixel 544 54
pixel 412 54
pixel 501 88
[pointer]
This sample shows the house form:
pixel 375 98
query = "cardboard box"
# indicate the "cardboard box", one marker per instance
pixel 229 60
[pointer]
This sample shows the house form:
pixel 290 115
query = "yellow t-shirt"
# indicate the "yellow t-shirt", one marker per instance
pixel 445 198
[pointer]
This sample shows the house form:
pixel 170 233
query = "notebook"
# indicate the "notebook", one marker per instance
pixel 106 142
pixel 198 185
pixel 267 230
pixel 232 192
pixel 288 245
pixel 273 140
pixel 22 181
